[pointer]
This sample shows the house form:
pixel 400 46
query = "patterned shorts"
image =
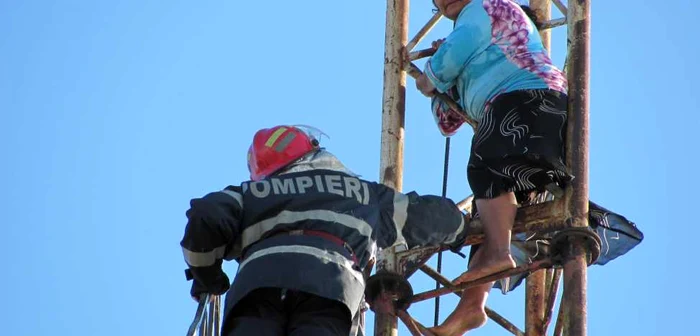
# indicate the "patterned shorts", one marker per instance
pixel 519 144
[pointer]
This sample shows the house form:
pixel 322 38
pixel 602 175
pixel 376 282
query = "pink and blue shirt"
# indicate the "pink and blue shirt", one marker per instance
pixel 494 48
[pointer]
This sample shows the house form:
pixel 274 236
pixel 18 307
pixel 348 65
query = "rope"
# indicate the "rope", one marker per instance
pixel 444 194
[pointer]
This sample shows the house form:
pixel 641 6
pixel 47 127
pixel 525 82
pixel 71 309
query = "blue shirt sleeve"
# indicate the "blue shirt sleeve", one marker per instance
pixel 470 36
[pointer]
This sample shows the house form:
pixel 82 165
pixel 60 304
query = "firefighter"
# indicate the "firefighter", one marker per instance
pixel 302 229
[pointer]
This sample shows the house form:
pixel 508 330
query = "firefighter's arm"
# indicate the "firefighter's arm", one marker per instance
pixel 432 220
pixel 212 227
pixel 425 220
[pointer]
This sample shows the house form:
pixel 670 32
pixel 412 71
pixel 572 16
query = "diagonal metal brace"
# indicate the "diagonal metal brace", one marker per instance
pixel 199 314
pixel 531 267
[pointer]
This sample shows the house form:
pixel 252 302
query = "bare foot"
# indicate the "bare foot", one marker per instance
pixel 459 322
pixel 486 268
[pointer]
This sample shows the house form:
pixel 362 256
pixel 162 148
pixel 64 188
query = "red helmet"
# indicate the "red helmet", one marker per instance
pixel 275 148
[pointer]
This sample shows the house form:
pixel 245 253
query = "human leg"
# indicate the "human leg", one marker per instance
pixel 518 147
pixel 497 215
pixel 469 314
pixel 260 313
pixel 312 315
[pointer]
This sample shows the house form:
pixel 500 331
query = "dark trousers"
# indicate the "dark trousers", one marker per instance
pixel 281 312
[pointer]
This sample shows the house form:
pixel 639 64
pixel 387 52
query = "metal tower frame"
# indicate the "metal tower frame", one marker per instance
pixel 575 245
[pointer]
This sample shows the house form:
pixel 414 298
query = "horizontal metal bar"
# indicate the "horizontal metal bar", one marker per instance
pixel 409 263
pixel 542 218
pixel 418 54
pixel 417 256
pixel 553 23
pixel 544 263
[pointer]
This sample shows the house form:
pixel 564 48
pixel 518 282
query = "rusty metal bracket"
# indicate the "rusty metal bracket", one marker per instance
pixel 385 285
pixel 525 268
pixel 561 239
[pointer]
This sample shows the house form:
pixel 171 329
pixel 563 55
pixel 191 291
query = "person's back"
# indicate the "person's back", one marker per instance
pixel 304 234
pixel 333 208
pixel 494 48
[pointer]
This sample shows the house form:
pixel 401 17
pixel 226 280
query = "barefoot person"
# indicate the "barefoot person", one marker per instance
pixel 495 66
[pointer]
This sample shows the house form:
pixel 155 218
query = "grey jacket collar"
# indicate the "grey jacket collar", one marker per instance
pixel 320 159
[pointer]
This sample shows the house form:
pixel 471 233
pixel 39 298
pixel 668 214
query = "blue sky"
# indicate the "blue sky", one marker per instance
pixel 115 114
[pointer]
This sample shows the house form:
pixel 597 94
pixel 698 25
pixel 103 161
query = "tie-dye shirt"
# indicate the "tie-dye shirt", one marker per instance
pixel 494 48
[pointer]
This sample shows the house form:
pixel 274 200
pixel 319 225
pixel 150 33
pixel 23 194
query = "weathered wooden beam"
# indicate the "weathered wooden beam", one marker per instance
pixel 543 217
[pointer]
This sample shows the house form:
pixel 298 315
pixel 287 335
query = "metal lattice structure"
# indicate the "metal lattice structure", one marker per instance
pixel 573 245
pixel 208 317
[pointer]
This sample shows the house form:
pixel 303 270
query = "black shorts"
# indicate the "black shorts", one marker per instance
pixel 519 144
pixel 279 312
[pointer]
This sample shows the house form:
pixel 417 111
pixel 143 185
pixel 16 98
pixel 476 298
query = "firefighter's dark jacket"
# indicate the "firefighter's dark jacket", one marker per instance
pixel 240 223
